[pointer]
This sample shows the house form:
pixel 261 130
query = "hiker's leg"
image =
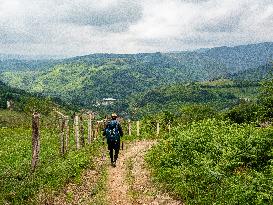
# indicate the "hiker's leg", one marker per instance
pixel 117 147
pixel 111 151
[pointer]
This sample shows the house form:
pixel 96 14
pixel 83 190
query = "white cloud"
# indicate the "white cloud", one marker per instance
pixel 77 27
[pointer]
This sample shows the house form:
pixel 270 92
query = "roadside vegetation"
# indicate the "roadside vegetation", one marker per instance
pixel 18 184
pixel 216 161
pixel 219 157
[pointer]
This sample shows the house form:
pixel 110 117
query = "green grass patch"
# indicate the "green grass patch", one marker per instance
pixel 18 184
pixel 215 162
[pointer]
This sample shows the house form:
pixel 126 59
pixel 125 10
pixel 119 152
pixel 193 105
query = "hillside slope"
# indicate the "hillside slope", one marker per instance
pixel 85 79
pixel 256 75
pixel 244 57
pixel 88 78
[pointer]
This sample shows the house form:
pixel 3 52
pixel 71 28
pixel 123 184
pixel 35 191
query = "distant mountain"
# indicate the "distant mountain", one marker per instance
pixel 89 78
pixel 254 75
pixel 84 79
pixel 240 58
pixel 27 57
pixel 24 65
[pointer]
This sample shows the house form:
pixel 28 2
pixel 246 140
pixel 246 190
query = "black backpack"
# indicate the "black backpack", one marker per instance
pixel 112 132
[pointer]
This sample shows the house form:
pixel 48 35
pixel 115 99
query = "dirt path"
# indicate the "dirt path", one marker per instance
pixel 130 183
pixel 127 184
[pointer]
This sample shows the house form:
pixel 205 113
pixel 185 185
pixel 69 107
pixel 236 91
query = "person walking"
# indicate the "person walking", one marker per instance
pixel 113 132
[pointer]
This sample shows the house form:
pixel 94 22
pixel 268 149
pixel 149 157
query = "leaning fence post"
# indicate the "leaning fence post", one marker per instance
pixel 62 141
pixel 89 128
pixel 157 128
pixel 129 128
pixel 35 140
pixel 76 123
pixel 138 128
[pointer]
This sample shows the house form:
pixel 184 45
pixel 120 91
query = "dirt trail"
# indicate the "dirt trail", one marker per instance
pixel 127 184
pixel 130 183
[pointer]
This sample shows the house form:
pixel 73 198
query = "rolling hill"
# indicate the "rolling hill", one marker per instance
pixel 83 80
pixel 255 75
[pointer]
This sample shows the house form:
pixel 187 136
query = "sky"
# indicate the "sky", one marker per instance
pixel 80 27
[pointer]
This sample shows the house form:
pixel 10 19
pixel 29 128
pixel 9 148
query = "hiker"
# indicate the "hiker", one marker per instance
pixel 113 133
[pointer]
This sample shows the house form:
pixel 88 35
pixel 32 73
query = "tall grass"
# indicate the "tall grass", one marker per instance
pixel 215 162
pixel 17 184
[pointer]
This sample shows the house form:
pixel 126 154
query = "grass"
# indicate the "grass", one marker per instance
pixel 14 119
pixel 18 184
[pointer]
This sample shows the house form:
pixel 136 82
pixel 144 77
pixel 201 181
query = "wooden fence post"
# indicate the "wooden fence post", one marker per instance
pixel 138 128
pixel 157 128
pixel 89 128
pixel 76 124
pixel 62 140
pixel 169 127
pixel 35 140
pixel 129 128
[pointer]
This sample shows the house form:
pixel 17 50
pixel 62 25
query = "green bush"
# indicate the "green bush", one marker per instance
pixel 244 113
pixel 214 162
pixel 196 112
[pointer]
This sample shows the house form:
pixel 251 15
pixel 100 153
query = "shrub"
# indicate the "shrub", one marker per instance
pixel 244 113
pixel 214 162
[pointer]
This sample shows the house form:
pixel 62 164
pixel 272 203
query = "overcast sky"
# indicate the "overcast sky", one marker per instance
pixel 78 27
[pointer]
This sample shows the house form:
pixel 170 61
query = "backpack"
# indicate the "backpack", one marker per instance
pixel 112 132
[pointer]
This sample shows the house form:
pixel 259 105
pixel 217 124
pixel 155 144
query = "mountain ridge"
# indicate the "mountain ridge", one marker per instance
pixel 85 79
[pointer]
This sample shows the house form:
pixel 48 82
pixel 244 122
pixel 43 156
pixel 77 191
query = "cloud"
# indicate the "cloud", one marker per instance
pixel 9 37
pixel 78 27
pixel 115 16
pixel 210 23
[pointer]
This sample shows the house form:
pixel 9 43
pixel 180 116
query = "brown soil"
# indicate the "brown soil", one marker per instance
pixel 130 181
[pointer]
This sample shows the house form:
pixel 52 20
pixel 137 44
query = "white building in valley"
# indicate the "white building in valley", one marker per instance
pixel 106 101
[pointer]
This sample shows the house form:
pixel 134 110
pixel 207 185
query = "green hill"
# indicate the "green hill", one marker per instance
pixel 255 75
pixel 28 102
pixel 84 80
pixel 174 97
pixel 244 57
pixel 87 79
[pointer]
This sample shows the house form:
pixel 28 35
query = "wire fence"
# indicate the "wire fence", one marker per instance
pixel 85 129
